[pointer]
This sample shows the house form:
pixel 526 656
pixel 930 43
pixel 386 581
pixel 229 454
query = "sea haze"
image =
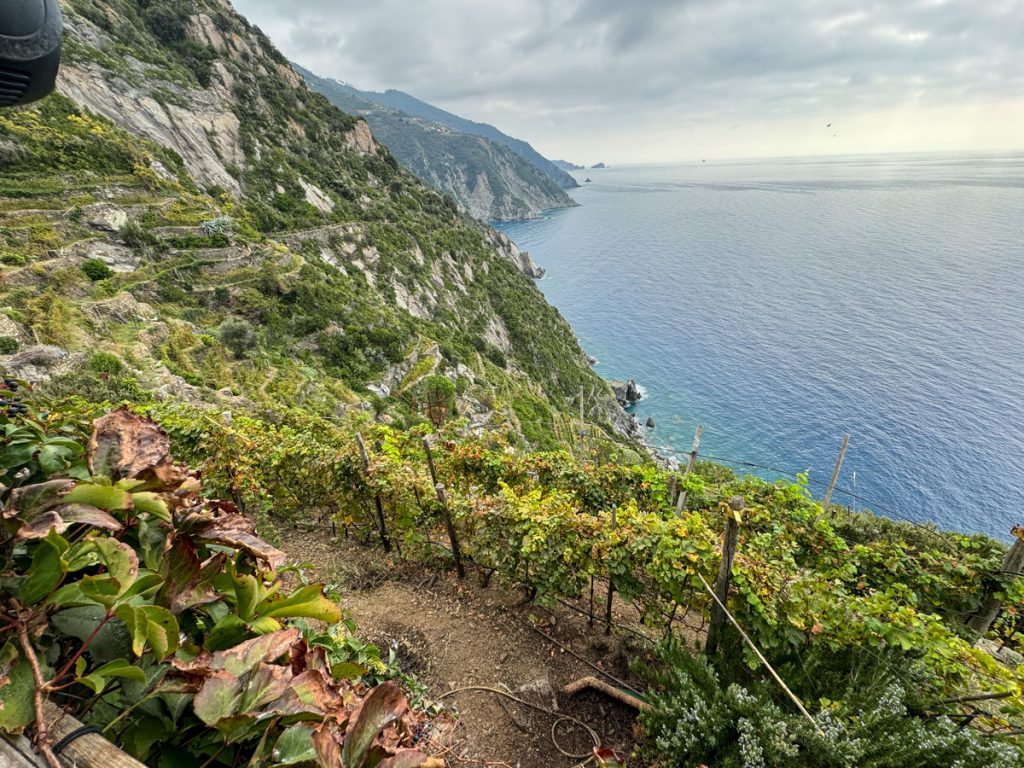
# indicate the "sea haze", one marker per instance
pixel 782 303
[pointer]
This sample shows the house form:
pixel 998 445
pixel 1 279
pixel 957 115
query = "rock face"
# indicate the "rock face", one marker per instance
pixel 511 251
pixel 118 257
pixel 626 392
pixel 104 217
pixel 488 179
pixel 42 362
pixel 650 422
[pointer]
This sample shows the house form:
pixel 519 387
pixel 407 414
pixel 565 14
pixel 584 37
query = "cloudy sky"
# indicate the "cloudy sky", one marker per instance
pixel 626 81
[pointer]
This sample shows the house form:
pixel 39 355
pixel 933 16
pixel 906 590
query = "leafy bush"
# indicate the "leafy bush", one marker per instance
pixel 438 398
pixel 106 362
pixel 134 594
pixel 238 336
pixel 96 269
pixel 8 345
pixel 694 719
pixel 134 235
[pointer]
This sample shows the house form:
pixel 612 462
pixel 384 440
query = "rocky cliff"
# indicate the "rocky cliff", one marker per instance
pixel 185 219
pixel 488 179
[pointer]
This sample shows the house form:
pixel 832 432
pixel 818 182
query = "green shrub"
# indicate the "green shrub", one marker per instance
pixel 96 269
pixel 237 335
pixel 8 345
pixel 105 362
pixel 695 720
pixel 12 259
pixel 134 235
pixel 437 393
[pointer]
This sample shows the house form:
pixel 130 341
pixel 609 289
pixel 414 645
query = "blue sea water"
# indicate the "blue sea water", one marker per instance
pixel 783 303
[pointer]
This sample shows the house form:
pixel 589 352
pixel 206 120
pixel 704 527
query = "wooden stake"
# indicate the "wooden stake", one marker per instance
pixel 793 697
pixel 376 498
pixel 611 585
pixel 446 515
pixel 690 464
pixel 732 532
pixel 672 490
pixel 1013 562
pixel 590 615
pixel 835 473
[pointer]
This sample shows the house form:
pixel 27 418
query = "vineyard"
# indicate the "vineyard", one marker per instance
pixel 864 618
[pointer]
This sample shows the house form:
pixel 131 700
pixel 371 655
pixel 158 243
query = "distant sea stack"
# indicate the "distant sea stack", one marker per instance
pixel 599 166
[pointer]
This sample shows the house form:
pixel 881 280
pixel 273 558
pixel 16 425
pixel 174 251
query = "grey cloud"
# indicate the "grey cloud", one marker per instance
pixel 605 61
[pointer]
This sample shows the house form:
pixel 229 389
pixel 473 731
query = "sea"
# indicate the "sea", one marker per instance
pixel 784 303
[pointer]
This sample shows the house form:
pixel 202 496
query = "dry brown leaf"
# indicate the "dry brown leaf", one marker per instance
pixel 124 444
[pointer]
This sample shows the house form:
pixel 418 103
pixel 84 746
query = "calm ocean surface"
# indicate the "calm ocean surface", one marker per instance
pixel 782 303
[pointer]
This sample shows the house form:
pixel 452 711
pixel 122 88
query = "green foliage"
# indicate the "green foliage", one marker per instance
pixel 105 362
pixel 438 398
pixel 238 336
pixel 8 345
pixel 134 235
pixel 138 597
pixel 96 270
pixel 694 719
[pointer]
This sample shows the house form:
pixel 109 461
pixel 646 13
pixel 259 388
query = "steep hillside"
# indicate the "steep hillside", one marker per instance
pixel 187 218
pixel 489 180
pixel 413 107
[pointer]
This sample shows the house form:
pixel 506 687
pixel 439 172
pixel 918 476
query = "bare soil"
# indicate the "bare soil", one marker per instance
pixel 451 634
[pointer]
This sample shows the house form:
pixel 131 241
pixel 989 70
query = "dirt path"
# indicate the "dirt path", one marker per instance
pixel 454 635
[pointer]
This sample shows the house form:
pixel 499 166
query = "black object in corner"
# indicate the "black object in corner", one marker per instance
pixel 30 35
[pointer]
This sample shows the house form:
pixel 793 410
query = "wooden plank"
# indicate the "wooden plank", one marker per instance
pixel 89 751
pixel 11 756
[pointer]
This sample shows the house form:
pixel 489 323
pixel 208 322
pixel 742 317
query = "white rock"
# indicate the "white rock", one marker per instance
pixel 104 216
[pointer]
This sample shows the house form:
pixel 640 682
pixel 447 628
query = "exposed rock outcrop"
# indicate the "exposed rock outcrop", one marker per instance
pixel 42 362
pixel 626 392
pixel 511 251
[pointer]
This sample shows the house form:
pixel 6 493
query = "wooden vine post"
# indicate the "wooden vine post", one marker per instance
pixel 732 531
pixel 379 507
pixel 1013 563
pixel 690 464
pixel 835 474
pixel 445 512
pixel 611 584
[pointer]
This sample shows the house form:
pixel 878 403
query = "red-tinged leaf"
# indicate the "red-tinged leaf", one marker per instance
pixel 259 650
pixel 185 586
pixel 382 706
pixel 312 692
pixel 225 695
pixel 124 444
pixel 327 742
pixel 63 517
pixel 33 500
pixel 235 530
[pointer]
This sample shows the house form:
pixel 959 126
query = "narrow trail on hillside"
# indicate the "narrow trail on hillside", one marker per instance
pixel 453 635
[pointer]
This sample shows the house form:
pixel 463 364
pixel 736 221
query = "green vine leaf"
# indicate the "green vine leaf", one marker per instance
pixel 150 625
pixel 308 602
pixel 97 680
pixel 102 496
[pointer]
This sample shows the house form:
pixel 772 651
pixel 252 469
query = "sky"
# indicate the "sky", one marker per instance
pixel 646 81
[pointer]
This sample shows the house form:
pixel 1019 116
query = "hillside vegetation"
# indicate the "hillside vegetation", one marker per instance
pixel 225 309
pixel 188 206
